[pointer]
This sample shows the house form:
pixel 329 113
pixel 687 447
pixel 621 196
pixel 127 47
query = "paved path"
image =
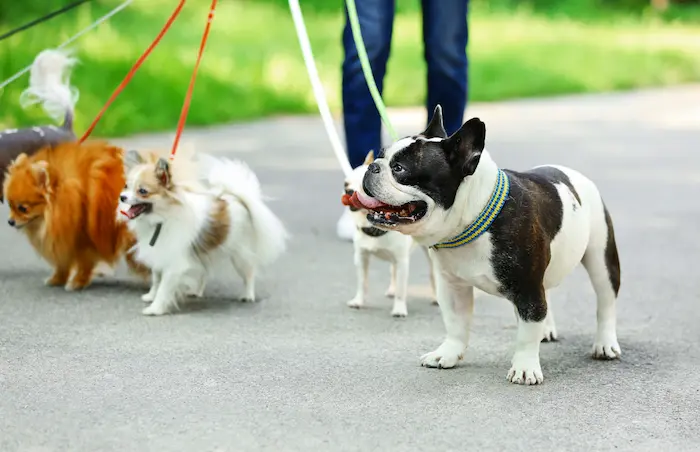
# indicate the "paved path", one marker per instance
pixel 300 371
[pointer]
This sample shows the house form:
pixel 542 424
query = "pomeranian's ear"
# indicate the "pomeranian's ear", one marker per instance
pixel 131 159
pixel 163 172
pixel 41 172
pixel 17 161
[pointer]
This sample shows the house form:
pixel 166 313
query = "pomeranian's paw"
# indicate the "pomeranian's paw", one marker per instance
pixel 56 280
pixel 73 285
pixel 148 297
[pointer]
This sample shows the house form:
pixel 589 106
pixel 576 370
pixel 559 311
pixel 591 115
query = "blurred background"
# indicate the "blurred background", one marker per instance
pixel 253 66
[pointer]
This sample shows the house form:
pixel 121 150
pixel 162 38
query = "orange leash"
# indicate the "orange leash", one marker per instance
pixel 188 96
pixel 134 68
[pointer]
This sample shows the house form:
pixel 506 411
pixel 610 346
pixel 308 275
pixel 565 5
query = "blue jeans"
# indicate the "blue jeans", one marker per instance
pixel 445 35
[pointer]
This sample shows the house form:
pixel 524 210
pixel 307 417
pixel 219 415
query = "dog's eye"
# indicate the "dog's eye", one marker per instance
pixel 397 168
pixel 22 209
pixel 142 191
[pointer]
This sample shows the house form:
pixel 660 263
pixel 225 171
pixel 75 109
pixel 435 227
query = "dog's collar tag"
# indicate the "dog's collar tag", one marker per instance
pixel 156 233
pixel 485 218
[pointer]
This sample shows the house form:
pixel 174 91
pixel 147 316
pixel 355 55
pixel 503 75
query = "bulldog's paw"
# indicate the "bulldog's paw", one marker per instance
pixel 606 349
pixel 446 356
pixel 525 370
pixel 550 333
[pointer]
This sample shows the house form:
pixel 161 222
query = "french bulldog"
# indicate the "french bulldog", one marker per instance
pixel 514 235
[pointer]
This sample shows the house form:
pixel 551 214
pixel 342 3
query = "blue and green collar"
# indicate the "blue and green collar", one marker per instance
pixel 485 218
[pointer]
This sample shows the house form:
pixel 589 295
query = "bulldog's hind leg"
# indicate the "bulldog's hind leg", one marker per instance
pixel 603 266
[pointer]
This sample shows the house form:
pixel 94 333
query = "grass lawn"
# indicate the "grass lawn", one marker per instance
pixel 253 66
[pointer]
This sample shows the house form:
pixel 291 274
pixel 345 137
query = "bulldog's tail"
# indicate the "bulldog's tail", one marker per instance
pixel 49 85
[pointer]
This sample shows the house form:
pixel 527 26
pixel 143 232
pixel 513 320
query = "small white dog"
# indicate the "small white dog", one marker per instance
pixel 389 246
pixel 191 216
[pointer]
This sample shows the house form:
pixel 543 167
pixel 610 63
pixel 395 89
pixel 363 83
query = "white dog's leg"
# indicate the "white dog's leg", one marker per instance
pixel 525 368
pixel 199 283
pixel 155 282
pixel 432 275
pixel 391 291
pixel 361 266
pixel 400 308
pixel 166 295
pixel 457 306
pixel 605 345
pixel 247 272
pixel 249 280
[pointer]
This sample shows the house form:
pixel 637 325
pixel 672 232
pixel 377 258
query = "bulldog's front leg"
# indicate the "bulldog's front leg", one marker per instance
pixel 532 312
pixel 457 307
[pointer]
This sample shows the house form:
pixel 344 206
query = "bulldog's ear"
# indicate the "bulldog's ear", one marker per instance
pixel 41 172
pixel 465 146
pixel 435 128
pixel 163 172
pixel 131 159
pixel 369 159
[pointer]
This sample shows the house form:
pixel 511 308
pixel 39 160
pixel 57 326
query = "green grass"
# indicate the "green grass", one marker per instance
pixel 253 66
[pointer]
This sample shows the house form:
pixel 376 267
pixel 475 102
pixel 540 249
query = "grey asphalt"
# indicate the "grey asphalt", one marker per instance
pixel 300 371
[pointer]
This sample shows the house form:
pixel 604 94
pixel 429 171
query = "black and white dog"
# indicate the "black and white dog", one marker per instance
pixel 511 234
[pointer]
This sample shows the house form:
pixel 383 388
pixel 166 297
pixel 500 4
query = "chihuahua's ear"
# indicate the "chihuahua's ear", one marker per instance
pixel 163 172
pixel 131 159
pixel 435 128
pixel 464 148
pixel 370 158
pixel 40 170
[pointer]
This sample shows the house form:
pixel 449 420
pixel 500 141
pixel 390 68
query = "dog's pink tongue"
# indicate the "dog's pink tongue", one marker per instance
pixel 368 202
pixel 132 212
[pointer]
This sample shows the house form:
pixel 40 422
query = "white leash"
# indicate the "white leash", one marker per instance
pixel 70 40
pixel 319 93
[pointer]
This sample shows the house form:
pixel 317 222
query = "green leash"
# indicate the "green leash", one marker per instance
pixel 366 68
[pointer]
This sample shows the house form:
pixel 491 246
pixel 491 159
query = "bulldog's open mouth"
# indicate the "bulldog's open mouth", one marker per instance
pixel 137 210
pixel 388 215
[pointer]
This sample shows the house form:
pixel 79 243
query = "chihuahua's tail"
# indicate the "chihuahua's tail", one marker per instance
pixel 49 85
pixel 236 178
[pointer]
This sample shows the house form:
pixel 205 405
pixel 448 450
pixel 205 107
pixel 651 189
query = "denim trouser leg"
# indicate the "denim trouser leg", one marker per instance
pixel 363 125
pixel 445 36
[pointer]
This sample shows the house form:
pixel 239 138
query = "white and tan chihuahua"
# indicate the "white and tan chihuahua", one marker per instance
pixel 389 246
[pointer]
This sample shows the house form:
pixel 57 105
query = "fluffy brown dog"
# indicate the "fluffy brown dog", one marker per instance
pixel 65 198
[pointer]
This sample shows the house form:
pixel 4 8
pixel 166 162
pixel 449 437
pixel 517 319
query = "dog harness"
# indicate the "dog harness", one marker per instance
pixel 485 218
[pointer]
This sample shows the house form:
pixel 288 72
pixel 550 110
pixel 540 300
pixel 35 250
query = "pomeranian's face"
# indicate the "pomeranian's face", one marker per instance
pixel 147 183
pixel 26 188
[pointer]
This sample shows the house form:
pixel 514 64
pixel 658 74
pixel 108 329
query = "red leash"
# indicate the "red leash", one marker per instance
pixel 188 96
pixel 133 69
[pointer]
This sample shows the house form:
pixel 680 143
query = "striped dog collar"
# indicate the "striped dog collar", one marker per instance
pixel 485 218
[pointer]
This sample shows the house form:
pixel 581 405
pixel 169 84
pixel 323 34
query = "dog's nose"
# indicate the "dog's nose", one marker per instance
pixel 11 222
pixel 374 168
pixel 122 198
pixel 349 191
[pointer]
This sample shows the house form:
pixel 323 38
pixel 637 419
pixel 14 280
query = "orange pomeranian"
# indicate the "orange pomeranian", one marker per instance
pixel 64 198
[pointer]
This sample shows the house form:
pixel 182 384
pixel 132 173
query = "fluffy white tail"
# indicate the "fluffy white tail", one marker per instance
pixel 236 178
pixel 49 85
